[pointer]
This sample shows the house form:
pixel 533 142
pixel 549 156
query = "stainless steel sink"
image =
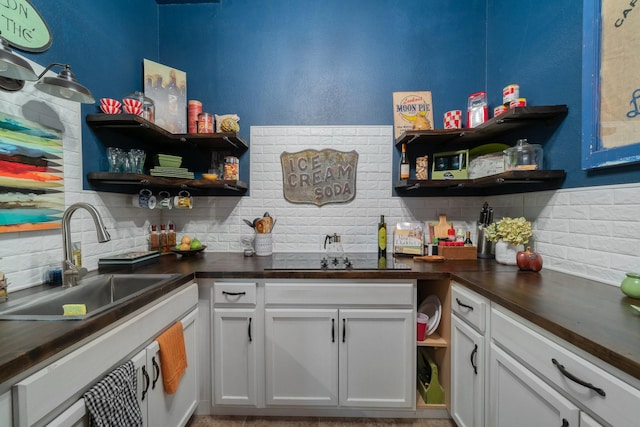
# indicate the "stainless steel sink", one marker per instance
pixel 98 293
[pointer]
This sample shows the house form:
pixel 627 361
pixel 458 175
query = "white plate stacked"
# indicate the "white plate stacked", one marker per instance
pixel 432 307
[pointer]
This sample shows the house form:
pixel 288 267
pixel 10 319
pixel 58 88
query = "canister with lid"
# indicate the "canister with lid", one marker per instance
pixel 231 170
pixel 205 123
pixel 523 156
pixel 148 106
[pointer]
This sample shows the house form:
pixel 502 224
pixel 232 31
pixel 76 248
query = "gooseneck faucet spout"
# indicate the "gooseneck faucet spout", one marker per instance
pixel 70 272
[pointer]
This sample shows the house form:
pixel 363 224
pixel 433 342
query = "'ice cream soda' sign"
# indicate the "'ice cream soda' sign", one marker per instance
pixel 319 177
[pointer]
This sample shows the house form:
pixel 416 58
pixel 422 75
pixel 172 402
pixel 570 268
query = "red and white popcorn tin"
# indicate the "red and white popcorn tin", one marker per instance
pixel 499 110
pixel 453 119
pixel 510 93
pixel 520 102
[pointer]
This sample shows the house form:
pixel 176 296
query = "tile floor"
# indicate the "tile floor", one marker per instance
pixel 229 421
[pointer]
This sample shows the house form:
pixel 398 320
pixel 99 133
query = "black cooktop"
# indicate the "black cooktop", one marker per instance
pixel 322 261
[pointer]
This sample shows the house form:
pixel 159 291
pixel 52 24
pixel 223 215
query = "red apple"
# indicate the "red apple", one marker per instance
pixel 529 260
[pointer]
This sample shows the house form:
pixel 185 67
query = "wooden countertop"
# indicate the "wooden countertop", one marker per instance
pixel 593 316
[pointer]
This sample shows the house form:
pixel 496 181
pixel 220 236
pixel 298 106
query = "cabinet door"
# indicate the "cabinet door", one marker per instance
pixel 234 356
pixel 587 421
pixel 519 398
pixel 143 382
pixel 377 358
pixel 467 375
pixel 174 409
pixel 75 415
pixel 301 357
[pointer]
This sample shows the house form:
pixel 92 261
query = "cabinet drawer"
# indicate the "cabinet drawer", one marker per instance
pixel 607 396
pixel 234 293
pixel 340 293
pixel 469 306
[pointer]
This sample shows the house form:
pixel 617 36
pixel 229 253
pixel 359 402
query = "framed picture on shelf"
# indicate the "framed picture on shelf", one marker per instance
pixel 167 87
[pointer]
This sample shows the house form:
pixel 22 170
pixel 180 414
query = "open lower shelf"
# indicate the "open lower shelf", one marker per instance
pixel 503 183
pixel 433 340
pixel 421 404
pixel 132 183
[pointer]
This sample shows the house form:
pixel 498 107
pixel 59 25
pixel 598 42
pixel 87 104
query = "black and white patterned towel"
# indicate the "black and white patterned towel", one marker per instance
pixel 112 401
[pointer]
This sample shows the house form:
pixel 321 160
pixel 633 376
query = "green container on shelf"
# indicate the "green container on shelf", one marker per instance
pixel 432 393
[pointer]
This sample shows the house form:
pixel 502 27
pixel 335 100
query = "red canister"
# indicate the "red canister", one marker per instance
pixel 205 123
pixel 520 102
pixel 510 93
pixel 499 110
pixel 194 109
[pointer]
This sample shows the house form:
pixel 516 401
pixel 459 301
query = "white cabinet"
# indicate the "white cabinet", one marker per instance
pixel 46 394
pixel 467 375
pixel 237 336
pixel 376 358
pixel 587 382
pixel 301 356
pixel 349 352
pixel 159 408
pixel 587 421
pixel 520 398
pixel 6 412
pixel 468 356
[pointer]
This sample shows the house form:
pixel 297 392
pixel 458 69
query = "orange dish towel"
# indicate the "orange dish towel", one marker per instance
pixel 173 357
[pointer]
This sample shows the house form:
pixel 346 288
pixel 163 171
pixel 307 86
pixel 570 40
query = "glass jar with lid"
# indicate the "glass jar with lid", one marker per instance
pixel 148 106
pixel 523 156
pixel 231 170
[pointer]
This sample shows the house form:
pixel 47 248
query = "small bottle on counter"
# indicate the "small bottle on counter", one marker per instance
pixel 171 236
pixel 163 239
pixel 154 238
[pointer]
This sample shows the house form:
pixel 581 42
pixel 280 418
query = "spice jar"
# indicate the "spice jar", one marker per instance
pixel 231 164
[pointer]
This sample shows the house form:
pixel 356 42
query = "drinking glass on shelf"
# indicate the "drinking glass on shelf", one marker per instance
pixel 138 158
pixel 126 162
pixel 114 157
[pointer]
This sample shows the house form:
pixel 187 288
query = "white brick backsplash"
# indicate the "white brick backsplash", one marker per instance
pixel 589 232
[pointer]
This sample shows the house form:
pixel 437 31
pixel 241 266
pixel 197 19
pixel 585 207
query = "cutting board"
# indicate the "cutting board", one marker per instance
pixel 440 230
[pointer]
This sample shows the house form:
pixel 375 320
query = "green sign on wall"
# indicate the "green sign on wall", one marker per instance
pixel 23 27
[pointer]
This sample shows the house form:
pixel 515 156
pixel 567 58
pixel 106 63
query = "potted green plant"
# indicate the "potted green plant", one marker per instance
pixel 509 235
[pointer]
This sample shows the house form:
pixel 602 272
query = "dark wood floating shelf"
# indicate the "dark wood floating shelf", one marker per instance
pixel 132 183
pixel 513 119
pixel 503 183
pixel 136 126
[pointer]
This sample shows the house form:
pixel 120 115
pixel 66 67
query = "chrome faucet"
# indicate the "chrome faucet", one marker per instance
pixel 70 272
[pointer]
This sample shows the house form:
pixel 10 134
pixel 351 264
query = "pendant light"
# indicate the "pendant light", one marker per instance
pixel 14 70
pixel 64 85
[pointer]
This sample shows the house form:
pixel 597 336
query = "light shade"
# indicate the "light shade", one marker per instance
pixel 65 86
pixel 13 66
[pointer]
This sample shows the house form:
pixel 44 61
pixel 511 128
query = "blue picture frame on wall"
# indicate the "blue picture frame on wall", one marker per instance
pixel 594 155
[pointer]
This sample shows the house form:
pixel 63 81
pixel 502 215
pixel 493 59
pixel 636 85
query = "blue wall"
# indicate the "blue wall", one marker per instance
pixel 333 62
pixel 538 44
pixel 104 42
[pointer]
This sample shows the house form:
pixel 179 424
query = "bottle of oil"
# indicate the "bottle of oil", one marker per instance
pixel 404 163
pixel 382 238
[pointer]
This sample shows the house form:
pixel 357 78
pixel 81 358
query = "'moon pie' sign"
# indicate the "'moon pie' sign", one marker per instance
pixel 319 177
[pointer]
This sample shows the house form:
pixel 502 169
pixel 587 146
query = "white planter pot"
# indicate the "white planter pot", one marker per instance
pixel 506 252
